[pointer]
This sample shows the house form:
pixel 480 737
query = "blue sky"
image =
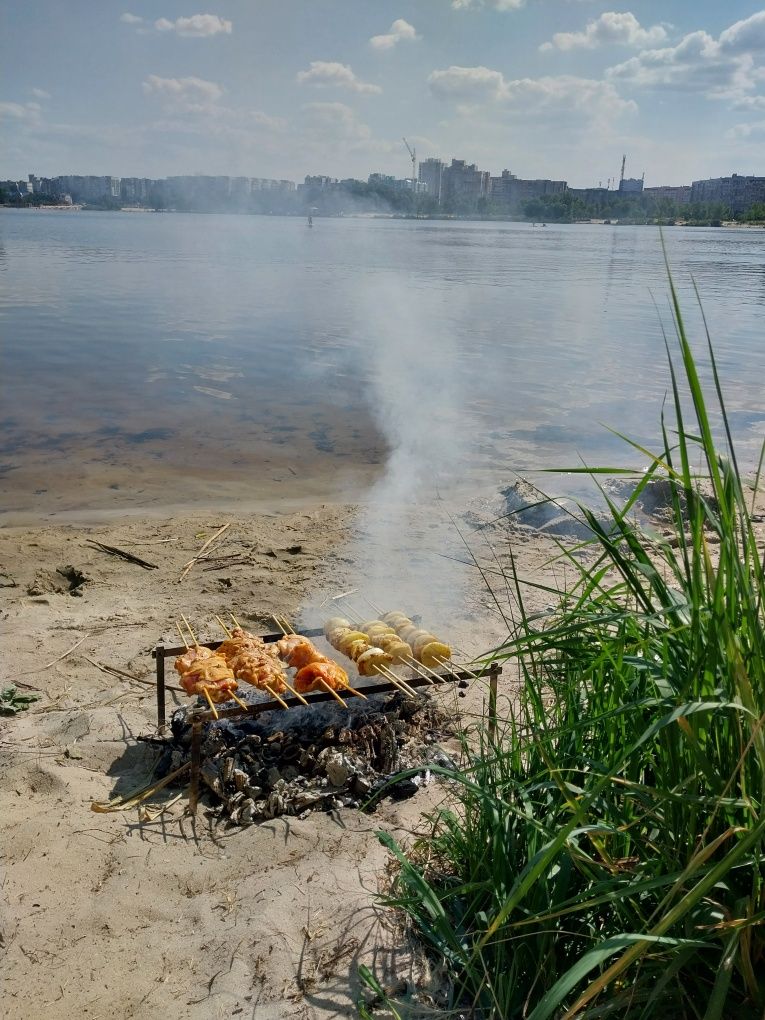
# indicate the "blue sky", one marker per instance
pixel 281 88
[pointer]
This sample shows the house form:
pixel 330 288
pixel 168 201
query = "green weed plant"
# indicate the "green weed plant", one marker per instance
pixel 604 854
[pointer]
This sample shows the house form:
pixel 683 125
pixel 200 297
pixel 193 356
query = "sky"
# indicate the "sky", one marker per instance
pixel 285 88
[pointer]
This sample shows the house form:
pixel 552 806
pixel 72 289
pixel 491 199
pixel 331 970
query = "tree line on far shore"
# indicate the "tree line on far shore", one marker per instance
pixel 356 197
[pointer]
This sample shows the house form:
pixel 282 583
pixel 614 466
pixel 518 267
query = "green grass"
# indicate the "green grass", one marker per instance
pixel 605 855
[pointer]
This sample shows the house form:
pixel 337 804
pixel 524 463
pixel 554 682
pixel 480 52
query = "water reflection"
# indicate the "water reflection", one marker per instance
pixel 239 355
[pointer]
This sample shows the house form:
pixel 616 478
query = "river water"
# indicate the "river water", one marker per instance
pixel 153 361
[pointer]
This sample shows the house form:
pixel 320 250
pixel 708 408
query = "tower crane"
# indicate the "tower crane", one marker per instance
pixel 413 156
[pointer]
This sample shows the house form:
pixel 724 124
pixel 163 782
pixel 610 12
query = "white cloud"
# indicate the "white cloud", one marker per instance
pixel 400 31
pixel 197 26
pixel 29 112
pixel 40 93
pixel 468 84
pixel 184 93
pixel 326 74
pixel 747 36
pixel 723 68
pixel 611 28
pixel 473 87
pixel 131 19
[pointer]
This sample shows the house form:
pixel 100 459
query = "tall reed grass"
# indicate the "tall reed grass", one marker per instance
pixel 605 854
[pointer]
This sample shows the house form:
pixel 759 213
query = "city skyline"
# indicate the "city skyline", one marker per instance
pixel 281 92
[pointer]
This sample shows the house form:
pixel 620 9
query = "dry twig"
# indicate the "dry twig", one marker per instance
pixel 41 669
pixel 204 549
pixel 112 550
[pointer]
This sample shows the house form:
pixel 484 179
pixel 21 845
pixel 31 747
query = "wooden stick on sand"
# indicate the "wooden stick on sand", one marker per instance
pixel 203 550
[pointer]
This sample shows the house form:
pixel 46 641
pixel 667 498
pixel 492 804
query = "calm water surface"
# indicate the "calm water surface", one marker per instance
pixel 155 360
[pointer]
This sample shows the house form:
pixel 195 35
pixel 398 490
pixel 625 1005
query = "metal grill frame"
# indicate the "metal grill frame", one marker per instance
pixel 199 717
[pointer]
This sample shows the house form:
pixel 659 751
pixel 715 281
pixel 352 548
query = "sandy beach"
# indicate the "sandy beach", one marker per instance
pixel 108 916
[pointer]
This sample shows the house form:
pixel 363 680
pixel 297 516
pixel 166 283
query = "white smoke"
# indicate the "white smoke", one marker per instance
pixel 403 554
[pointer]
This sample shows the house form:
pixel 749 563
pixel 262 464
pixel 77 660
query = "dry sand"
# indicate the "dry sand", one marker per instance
pixel 106 917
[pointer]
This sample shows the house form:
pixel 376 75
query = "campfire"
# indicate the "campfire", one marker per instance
pixel 279 727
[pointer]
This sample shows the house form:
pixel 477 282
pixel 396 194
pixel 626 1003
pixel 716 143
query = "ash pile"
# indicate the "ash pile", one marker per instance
pixel 315 759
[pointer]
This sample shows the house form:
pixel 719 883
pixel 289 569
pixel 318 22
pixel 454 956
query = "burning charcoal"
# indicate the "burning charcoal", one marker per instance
pixel 247 812
pixel 227 769
pixel 289 773
pixel 253 791
pixel 345 736
pixel 291 754
pixel 211 775
pixel 279 735
pixel 254 740
pixel 361 786
pixel 240 778
pixel 273 777
pixel 337 767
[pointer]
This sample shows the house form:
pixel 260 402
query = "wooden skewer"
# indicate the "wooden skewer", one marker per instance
pixel 276 621
pixel 330 690
pixel 276 696
pixel 236 622
pixel 369 602
pixel 183 636
pixel 347 687
pixel 213 709
pixel 290 629
pixel 421 670
pixel 297 694
pixel 397 681
pixel 225 629
pixel 238 700
pixel 451 666
pixel 188 628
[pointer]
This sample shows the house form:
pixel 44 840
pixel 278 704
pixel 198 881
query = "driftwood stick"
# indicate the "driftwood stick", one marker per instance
pixel 203 550
pixel 122 674
pixel 112 550
pixel 41 669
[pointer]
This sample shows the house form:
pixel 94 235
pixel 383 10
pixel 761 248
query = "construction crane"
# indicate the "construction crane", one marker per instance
pixel 413 156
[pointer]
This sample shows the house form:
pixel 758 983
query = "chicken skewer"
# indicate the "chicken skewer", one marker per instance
pixel 204 673
pixel 297 651
pixel 225 685
pixel 246 655
pixel 282 675
pixel 320 682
